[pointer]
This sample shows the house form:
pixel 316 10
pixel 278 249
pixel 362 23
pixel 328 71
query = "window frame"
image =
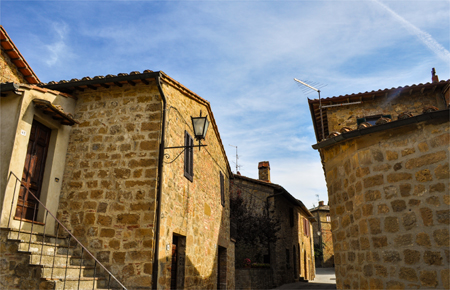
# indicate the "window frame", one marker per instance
pixel 222 189
pixel 188 157
pixel 306 228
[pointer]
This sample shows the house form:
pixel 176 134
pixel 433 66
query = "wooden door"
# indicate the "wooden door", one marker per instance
pixel 33 172
pixel 174 269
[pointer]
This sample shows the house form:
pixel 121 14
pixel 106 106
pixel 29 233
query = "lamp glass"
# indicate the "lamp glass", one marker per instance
pixel 200 125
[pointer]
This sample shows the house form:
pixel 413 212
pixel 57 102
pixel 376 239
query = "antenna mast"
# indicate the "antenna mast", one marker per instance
pixel 237 157
pixel 320 104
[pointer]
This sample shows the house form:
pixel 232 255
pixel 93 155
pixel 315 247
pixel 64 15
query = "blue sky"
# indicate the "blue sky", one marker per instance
pixel 242 57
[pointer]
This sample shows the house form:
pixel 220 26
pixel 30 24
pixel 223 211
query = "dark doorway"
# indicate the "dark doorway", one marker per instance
pixel 294 259
pixel 306 267
pixel 174 268
pixel 222 268
pixel 33 172
pixel 178 262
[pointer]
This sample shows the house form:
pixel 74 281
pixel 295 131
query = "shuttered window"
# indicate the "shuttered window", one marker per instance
pixel 291 217
pixel 306 229
pixel 188 156
pixel 222 189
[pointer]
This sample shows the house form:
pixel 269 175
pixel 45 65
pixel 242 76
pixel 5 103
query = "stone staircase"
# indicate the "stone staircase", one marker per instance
pixel 55 263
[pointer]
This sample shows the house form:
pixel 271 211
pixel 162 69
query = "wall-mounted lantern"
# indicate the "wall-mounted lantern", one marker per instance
pixel 200 126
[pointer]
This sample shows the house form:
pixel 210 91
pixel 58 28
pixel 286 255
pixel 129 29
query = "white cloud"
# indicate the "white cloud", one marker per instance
pixel 58 49
pixel 423 36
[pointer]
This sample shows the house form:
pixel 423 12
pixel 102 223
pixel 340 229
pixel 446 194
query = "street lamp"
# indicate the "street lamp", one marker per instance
pixel 200 126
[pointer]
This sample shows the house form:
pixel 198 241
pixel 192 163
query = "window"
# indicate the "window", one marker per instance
pixel 306 229
pixel 291 217
pixel 222 189
pixel 288 263
pixel 188 156
pixel 371 119
pixel 328 218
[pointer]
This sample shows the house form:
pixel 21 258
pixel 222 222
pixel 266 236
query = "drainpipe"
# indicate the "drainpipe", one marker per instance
pixel 159 190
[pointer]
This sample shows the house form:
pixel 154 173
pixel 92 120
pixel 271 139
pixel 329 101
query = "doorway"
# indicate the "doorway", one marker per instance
pixel 33 172
pixel 222 268
pixel 178 262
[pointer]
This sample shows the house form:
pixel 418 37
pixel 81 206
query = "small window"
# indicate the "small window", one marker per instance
pixel 188 156
pixel 371 119
pixel 306 229
pixel 222 189
pixel 328 218
pixel 291 217
pixel 288 263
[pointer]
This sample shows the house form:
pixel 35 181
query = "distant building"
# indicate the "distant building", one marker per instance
pixel 291 257
pixel 385 156
pixel 323 241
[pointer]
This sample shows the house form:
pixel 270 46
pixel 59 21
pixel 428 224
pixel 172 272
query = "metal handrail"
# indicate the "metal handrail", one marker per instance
pixel 60 224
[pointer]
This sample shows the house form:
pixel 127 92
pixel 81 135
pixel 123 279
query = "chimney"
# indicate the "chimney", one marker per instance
pixel 434 77
pixel 321 203
pixel 264 171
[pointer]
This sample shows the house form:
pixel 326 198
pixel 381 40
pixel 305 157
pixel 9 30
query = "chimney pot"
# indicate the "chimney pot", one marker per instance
pixel 434 77
pixel 321 203
pixel 264 171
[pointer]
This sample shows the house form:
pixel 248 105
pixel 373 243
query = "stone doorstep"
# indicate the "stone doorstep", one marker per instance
pixel 84 283
pixel 70 272
pixel 60 260
pixel 24 236
pixel 44 248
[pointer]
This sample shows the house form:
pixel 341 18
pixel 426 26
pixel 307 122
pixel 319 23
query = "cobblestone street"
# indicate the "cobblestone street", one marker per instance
pixel 325 279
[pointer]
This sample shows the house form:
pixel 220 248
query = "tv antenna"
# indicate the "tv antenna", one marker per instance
pixel 237 157
pixel 320 103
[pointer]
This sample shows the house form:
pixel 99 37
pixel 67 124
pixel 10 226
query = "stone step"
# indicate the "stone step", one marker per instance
pixel 59 260
pixel 45 248
pixel 24 236
pixel 74 284
pixel 69 272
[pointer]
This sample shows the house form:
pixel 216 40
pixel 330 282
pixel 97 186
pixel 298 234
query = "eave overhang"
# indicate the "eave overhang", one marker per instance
pixel 441 114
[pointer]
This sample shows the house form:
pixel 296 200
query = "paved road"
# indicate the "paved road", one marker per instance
pixel 325 279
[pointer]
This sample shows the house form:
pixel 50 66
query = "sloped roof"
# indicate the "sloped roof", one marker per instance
pixel 16 57
pixel 363 96
pixel 131 79
pixel 279 189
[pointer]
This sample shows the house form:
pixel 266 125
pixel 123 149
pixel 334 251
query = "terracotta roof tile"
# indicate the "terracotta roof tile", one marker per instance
pixel 16 57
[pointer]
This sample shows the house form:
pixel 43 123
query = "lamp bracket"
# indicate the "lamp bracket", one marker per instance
pixel 179 147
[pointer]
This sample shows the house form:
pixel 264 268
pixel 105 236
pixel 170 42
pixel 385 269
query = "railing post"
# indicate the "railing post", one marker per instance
pixel 32 224
pixel 43 238
pixel 81 263
pixel 12 201
pixel 21 217
pixel 67 261
pixel 95 268
pixel 54 251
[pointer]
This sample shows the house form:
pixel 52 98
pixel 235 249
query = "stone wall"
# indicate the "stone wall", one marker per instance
pixel 393 104
pixel 9 71
pixel 256 194
pixel 293 241
pixel 254 278
pixel 389 198
pixel 325 237
pixel 109 185
pixel 194 209
pixel 15 272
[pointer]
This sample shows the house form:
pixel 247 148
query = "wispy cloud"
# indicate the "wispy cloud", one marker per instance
pixel 58 49
pixel 424 37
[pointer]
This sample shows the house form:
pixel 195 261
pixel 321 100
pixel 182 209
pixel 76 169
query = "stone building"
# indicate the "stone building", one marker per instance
pixel 103 162
pixel 291 256
pixel 388 185
pixel 323 241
